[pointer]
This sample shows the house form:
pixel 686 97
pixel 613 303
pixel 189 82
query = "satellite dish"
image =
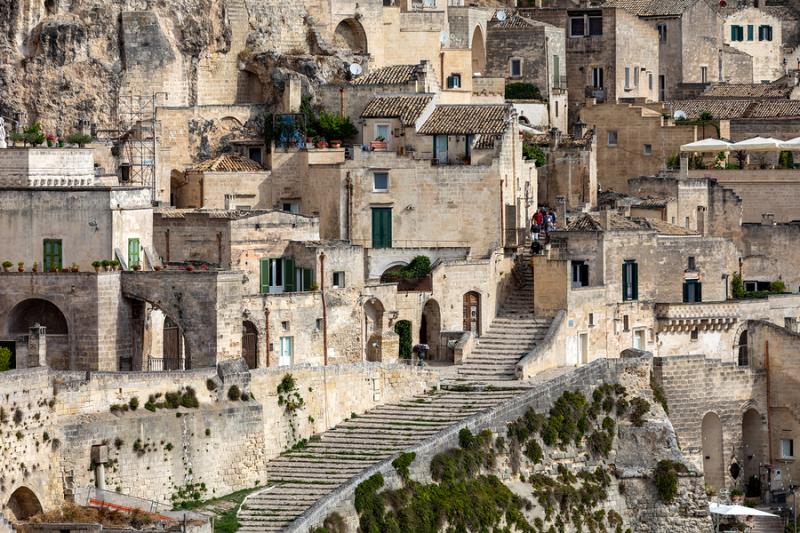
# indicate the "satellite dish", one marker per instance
pixel 501 16
pixel 680 115
pixel 444 37
pixel 355 69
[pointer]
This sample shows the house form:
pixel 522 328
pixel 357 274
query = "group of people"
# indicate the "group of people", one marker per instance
pixel 543 221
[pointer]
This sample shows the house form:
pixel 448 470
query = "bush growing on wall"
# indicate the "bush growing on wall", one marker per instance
pixel 522 91
pixel 5 359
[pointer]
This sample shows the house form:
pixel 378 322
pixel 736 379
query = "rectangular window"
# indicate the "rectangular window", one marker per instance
pixel 765 33
pixel 134 252
pixel 749 32
pixel 516 68
pixel 692 291
pixel 636 77
pixel 648 149
pixel 319 324
pixel 691 265
pixel 254 153
pixel 597 77
pixel 583 347
pixel 737 33
pixel 380 182
pixel 580 274
pixel 577 26
pixel 693 335
pixel 454 81
pixel 703 74
pixel 787 448
pixel 381 227
pixel 291 207
pixel 639 341
pixel 338 280
pixel 662 33
pixel 591 319
pixel 630 281
pixel 53 251
pixel 650 81
pixel 277 275
pixel 595 25
pixel 287 351
pixel 556 70
pixel 382 132
pixel 612 137
pixel 627 78
pixel 626 326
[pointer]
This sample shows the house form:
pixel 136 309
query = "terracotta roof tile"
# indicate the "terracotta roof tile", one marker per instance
pixel 747 90
pixel 227 163
pixel 406 108
pixel 514 22
pixel 393 75
pixel 663 228
pixel 774 109
pixel 467 120
pixel 584 223
pixel 652 8
pixel 719 108
pixel 653 202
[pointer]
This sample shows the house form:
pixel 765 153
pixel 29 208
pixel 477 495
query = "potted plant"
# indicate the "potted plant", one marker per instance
pixel 336 143
pixel 51 139
pixel 378 144
pixel 737 495
pixel 190 268
pixel 137 267
pixel 7 266
pixel 75 267
pixel 16 137
pixel 81 139
pixel 60 142
pixel 105 263
pixel 53 268
pixel 322 143
pixel 35 267
pixel 21 266
pixel 114 264
pixel 97 265
pixel 157 268
pixel 336 127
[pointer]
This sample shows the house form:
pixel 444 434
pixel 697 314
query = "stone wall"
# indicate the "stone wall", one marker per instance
pixel 770 253
pixel 46 167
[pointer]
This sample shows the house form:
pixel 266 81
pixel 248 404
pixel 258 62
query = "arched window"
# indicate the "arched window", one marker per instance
pixel 743 359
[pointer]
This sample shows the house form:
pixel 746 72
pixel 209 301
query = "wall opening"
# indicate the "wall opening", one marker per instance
pixel 430 330
pixel 373 329
pixel 350 34
pixel 45 313
pixel 472 313
pixel 250 344
pixel 403 330
pixel 711 431
pixel 24 504
pixel 752 445
pixel 478 52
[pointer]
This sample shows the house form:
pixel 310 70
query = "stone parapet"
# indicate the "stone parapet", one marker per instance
pixel 46 167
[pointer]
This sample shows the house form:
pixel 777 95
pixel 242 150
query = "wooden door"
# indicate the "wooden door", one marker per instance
pixel 250 345
pixel 472 313
pixel 172 345
pixel 381 227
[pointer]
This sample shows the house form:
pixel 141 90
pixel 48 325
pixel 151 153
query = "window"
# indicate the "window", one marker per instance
pixel 650 81
pixel 556 109
pixel 577 26
pixel 686 223
pixel 639 341
pixel 583 348
pixel 693 335
pixel 636 77
pixel 556 70
pixel 380 181
pixel 743 358
pixel 134 252
pixel 765 32
pixel 254 153
pixel 627 78
pixel 52 254
pixel 277 275
pixel 338 280
pixel 319 324
pixel 291 207
pixel 597 77
pixel 691 265
pixel 749 32
pixel 612 137
pixel 516 68
pixel 647 149
pixel 591 319
pixel 692 291
pixel 285 325
pixel 286 354
pixel 703 74
pixel 662 33
pixel 595 25
pixel 382 131
pixel 737 33
pixel 630 281
pixel 580 274
pixel 787 448
pixel 586 24
pixel 454 81
pixel 626 326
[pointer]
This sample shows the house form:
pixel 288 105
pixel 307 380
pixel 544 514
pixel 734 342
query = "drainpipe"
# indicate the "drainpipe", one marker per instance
pixel 324 309
pixel 266 332
pixel 502 218
pixel 769 402
pixel 349 222
pixel 341 102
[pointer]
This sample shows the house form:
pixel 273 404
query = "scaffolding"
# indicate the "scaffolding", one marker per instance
pixel 136 119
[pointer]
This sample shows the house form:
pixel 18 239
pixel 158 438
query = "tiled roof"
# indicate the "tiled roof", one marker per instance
pixel 738 108
pixel 228 163
pixel 774 109
pixel 663 228
pixel 747 90
pixel 406 108
pixel 485 142
pixel 584 223
pixel 514 22
pixel 231 214
pixel 653 202
pixel 467 120
pixel 652 8
pixel 393 75
pixel 616 222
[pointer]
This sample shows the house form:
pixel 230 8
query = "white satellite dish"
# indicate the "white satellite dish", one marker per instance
pixel 680 115
pixel 355 69
pixel 501 16
pixel 444 37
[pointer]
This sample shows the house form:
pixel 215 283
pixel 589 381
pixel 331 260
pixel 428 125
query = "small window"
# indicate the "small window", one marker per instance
pixel 291 207
pixel 693 334
pixel 691 265
pixel 639 340
pixel 285 325
pixel 591 319
pixel 627 78
pixel 516 68
pixel 319 324
pixel 692 291
pixel 765 33
pixel 577 26
pixel 612 137
pixel 687 223
pixel 454 81
pixel 703 74
pixel 630 281
pixel 648 149
pixel 556 109
pixel 625 323
pixel 380 181
pixel 662 33
pixel 636 71
pixel 597 77
pixel 749 32
pixel 650 81
pixel 338 280
pixel 737 33
pixel 580 274
pixel 382 132
pixel 595 25
pixel 787 448
pixel 254 153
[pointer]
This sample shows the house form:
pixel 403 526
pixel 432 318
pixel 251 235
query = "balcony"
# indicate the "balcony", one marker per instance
pixel 598 93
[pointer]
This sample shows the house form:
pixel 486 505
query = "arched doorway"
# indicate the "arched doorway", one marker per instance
pixel 24 504
pixel 711 431
pixel 350 34
pixel 403 330
pixel 478 52
pixel 250 344
pixel 45 313
pixel 741 348
pixel 430 329
pixel 752 445
pixel 373 328
pixel 472 313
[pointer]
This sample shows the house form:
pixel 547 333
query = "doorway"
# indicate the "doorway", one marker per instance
pixel 472 313
pixel 250 344
pixel 711 430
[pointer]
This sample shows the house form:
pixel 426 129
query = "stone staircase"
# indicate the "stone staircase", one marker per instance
pixel 513 333
pixel 767 524
pixel 299 478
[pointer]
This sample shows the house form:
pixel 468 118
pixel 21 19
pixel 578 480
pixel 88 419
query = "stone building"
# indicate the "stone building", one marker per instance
pixel 569 174
pixel 228 181
pixel 760 35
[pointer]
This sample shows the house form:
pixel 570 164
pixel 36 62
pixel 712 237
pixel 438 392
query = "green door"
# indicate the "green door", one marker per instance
pixel 264 277
pixel 52 254
pixel 134 252
pixel 381 227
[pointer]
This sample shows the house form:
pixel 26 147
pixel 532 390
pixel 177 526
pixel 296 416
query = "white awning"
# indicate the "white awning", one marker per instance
pixel 707 145
pixel 759 144
pixel 791 144
pixel 735 510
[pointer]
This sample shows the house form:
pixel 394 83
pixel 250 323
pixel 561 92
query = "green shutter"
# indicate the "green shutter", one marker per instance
pixel 264 276
pixel 134 249
pixel 686 292
pixel 624 281
pixel 52 254
pixel 308 279
pixel 750 32
pixel 381 227
pixel 635 268
pixel 699 294
pixel 288 275
pixel 733 33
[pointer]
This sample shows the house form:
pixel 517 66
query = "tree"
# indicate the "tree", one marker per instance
pixel 522 91
pixel 535 153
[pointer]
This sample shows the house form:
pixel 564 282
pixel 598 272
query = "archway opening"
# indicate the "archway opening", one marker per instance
pixel 743 358
pixel 250 344
pixel 350 34
pixel 392 273
pixel 752 451
pixel 478 52
pixel 403 330
pixel 431 328
pixel 472 313
pixel 711 431
pixel 373 328
pixel 24 504
pixel 33 311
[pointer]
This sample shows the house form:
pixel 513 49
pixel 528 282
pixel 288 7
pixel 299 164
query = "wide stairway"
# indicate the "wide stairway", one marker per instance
pixel 299 478
pixel 513 333
pixel 767 524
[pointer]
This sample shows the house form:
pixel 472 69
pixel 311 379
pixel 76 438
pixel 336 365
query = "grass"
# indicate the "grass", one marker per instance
pixel 224 510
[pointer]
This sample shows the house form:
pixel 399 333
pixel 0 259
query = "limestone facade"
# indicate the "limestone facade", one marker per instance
pixel 760 35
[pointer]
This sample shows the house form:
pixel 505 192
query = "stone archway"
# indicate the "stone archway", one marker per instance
pixel 752 445
pixel 45 313
pixel 250 344
pixel 711 432
pixel 373 329
pixel 431 328
pixel 24 504
pixel 350 34
pixel 478 52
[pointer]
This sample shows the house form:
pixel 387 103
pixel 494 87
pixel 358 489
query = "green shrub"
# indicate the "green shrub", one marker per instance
pixel 78 138
pixel 522 91
pixel 658 393
pixel 777 286
pixel 418 268
pixel 403 330
pixel 639 408
pixel 133 403
pixel 402 463
pixel 234 393
pixel 5 359
pixel 665 476
pixel 335 127
pixel 33 134
pixel 534 152
pixel 737 286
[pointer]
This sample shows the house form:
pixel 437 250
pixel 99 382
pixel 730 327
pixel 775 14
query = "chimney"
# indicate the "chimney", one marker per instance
pixel 605 218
